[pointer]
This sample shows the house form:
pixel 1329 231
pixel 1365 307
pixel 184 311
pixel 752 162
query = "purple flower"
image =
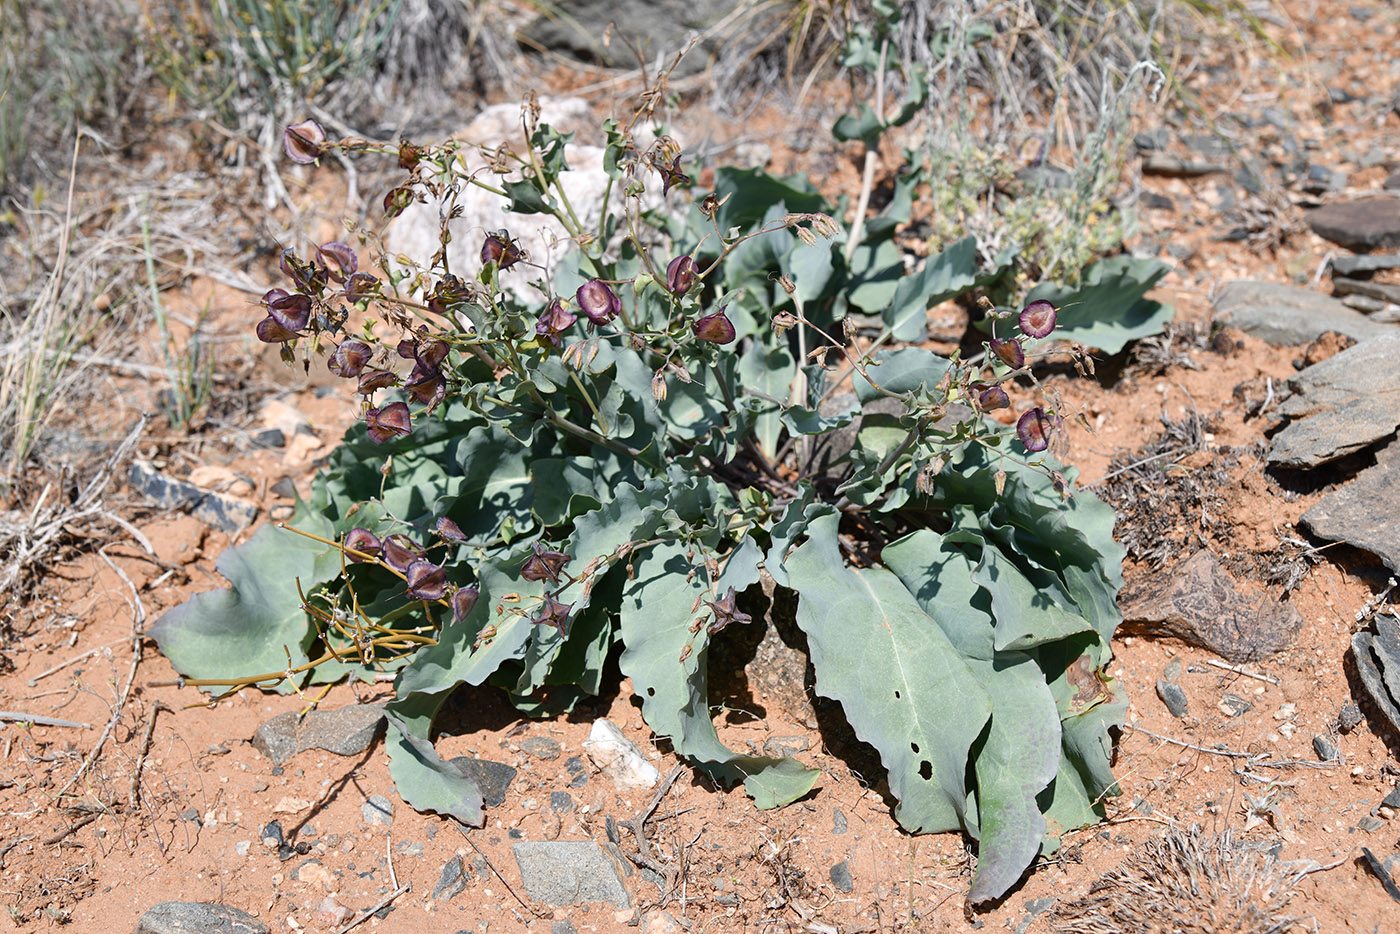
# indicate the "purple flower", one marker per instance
pixel 715 328
pixel 302 141
pixel 1009 352
pixel 364 541
pixel 400 552
pixel 553 613
pixel 287 315
pixel 554 321
pixel 500 249
pixel 426 581
pixel 339 259
pixel 348 359
pixel 544 565
pixel 680 275
pixel 598 301
pixel 1035 427
pixel 1038 319
pixel 463 601
pixel 390 422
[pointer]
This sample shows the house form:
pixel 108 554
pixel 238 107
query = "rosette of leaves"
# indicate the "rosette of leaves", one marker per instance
pixel 607 470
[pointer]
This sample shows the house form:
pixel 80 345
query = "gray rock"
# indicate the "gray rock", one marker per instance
pixel 841 877
pixel 1353 512
pixel 562 927
pixel 577 771
pixel 378 811
pixel 347 731
pixel 660 922
pixel 1173 696
pixel 656 27
pixel 1377 657
pixel 1285 314
pixel 1326 749
pixel 452 881
pixel 1369 824
pixel 1160 163
pixel 561 801
pixel 1341 405
pixel 218 510
pixel 492 778
pixel 1172 669
pixel 1200 603
pixel 1152 140
pixel 838 821
pixel 541 747
pixel 1374 262
pixel 197 918
pixel 1392 800
pixel 1363 225
pixel 782 747
pixel 1343 286
pixel 1392 181
pixel 569 872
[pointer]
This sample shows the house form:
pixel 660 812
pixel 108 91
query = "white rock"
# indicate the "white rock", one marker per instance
pixel 618 757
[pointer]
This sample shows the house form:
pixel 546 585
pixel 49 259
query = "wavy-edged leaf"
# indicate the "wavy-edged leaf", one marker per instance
pixel 944 276
pixel 908 369
pixel 656 614
pixel 904 687
pixel 1109 308
pixel 423 779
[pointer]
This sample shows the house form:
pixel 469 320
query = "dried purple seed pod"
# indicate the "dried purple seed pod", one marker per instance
pixel 303 141
pixel 1037 319
pixel 339 259
pixel 463 601
pixel 426 581
pixel 426 385
pixel 715 328
pixel 680 275
pixel 292 312
pixel 409 155
pixel 400 552
pixel 431 352
pixel 270 331
pixel 991 397
pixel 554 321
pixel 1008 352
pixel 363 541
pixel 449 291
pixel 544 565
pixel 500 249
pixel 361 285
pixel 348 359
pixel 556 614
pixel 306 276
pixel 372 380
pixel 390 422
pixel 449 531
pixel 598 301
pixel 1034 429
pixel 407 348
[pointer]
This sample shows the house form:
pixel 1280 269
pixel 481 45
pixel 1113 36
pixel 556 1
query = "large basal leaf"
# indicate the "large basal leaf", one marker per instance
pixel 423 779
pixel 656 614
pixel 250 627
pixel 1108 308
pixel 944 276
pixel 1020 753
pixel 904 687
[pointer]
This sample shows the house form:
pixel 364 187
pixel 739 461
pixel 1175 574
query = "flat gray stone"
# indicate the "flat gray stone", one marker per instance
pixel 1173 697
pixel 378 811
pixel 1360 513
pixel 1285 314
pixel 1200 603
pixel 197 918
pixel 451 881
pixel 1351 265
pixel 492 778
pixel 1161 163
pixel 656 27
pixel 218 510
pixel 1326 749
pixel 1341 405
pixel 541 747
pixel 1363 225
pixel 1343 286
pixel 569 872
pixel 840 876
pixel 1377 657
pixel 347 731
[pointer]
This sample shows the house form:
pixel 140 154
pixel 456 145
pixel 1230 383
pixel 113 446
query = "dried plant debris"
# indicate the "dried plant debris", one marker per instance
pixel 1172 348
pixel 1186 882
pixel 1377 656
pixel 1164 510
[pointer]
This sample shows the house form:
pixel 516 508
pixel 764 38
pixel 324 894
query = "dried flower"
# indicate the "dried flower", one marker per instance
pixel 372 380
pixel 715 328
pixel 361 285
pixel 1009 352
pixel 500 249
pixel 1034 429
pixel 726 612
pixel 397 201
pixel 449 291
pixel 426 581
pixel 672 175
pixel 553 613
pixel 1038 319
pixel 364 541
pixel 598 301
pixel 991 397
pixel 348 359
pixel 390 422
pixel 409 155
pixel 302 141
pixel 544 565
pixel 338 259
pixel 680 275
pixel 554 321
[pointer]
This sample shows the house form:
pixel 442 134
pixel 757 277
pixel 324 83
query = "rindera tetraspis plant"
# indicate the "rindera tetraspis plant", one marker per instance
pixel 534 484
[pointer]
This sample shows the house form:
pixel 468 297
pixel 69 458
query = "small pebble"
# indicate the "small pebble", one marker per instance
pixel 1173 697
pixel 1172 671
pixel 1368 824
pixel 541 747
pixel 1326 750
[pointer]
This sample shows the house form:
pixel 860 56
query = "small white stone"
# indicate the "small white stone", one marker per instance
pixel 618 757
